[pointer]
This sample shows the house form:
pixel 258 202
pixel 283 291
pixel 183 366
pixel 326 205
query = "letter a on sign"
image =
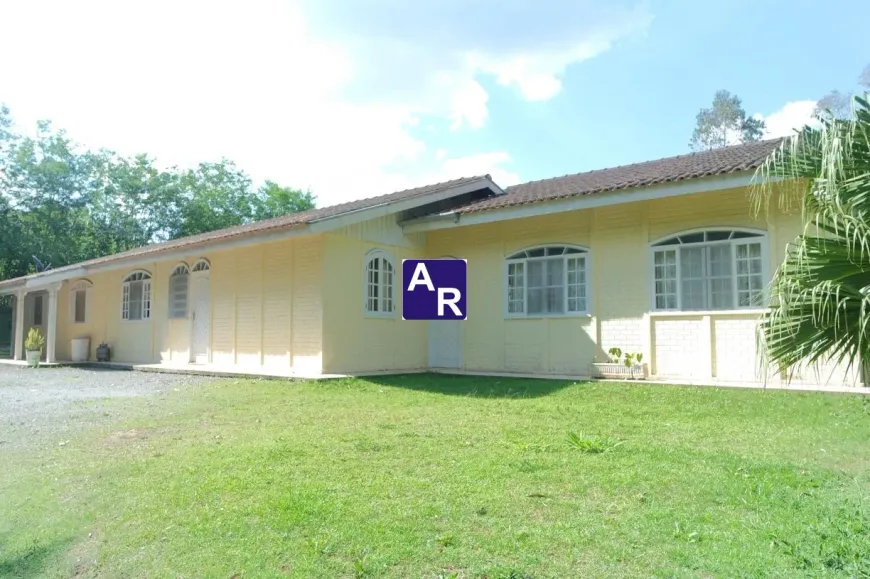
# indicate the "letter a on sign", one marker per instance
pixel 434 289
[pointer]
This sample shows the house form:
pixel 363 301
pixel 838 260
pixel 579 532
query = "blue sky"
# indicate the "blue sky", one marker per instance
pixel 353 99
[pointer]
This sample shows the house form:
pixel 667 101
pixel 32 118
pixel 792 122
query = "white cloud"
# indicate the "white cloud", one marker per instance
pixel 791 117
pixel 483 164
pixel 325 94
pixel 522 44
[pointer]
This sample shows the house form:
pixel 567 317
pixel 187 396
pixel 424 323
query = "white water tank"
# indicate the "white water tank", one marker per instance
pixel 80 348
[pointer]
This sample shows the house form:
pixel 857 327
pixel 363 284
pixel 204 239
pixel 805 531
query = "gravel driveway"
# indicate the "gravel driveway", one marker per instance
pixel 42 406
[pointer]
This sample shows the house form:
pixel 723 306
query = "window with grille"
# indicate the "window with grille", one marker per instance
pixel 547 281
pixel 710 270
pixel 380 276
pixel 136 297
pixel 179 282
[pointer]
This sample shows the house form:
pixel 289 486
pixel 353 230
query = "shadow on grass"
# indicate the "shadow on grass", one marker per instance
pixel 473 386
pixel 33 561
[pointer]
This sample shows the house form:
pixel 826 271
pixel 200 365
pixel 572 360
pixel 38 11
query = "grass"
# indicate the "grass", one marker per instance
pixel 434 477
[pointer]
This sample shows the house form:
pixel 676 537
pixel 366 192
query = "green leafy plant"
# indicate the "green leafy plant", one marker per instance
pixel 359 566
pixel 593 444
pixel 632 360
pixel 34 341
pixel 819 299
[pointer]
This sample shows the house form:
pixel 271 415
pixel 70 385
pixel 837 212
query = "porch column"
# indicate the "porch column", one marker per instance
pixel 18 350
pixel 51 330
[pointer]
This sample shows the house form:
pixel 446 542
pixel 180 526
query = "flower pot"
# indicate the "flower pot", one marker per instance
pixel 620 371
pixel 33 358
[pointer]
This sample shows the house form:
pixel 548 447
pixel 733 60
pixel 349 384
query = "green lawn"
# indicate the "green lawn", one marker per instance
pixel 431 476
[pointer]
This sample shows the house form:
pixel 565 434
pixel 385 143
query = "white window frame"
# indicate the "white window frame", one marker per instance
pixel 82 285
pixel 180 270
pixel 201 264
pixel 137 276
pixel 758 236
pixel 511 258
pixel 382 299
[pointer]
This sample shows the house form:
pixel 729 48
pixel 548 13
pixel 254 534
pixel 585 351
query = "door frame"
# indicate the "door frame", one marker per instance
pixel 460 354
pixel 195 276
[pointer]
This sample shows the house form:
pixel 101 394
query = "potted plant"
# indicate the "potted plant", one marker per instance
pixel 621 365
pixel 33 346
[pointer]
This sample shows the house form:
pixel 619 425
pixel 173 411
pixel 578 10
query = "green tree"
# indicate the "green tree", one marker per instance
pixel 272 200
pixel 725 123
pixel 839 104
pixel 821 292
pixel 64 204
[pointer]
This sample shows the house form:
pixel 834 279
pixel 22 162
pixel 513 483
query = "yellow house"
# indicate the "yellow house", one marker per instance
pixel 663 258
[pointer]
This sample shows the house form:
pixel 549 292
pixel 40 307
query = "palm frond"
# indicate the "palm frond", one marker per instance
pixel 821 292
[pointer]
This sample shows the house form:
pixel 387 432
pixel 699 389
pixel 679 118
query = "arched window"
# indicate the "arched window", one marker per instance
pixel 715 269
pixel 136 298
pixel 547 281
pixel 379 284
pixel 179 282
pixel 78 300
pixel 201 265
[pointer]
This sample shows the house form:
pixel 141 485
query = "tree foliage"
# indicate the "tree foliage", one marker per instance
pixel 839 104
pixel 821 292
pixel 725 123
pixel 64 204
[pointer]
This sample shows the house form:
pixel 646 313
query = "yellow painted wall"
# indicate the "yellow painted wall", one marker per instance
pixel 694 346
pixel 298 303
pixel 353 342
pixel 130 341
pixel 489 341
pixel 266 309
pixel 266 305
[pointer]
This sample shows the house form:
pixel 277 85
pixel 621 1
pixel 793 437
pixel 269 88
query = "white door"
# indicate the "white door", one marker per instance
pixel 445 344
pixel 201 320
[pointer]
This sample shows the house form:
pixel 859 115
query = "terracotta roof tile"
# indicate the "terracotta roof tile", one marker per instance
pixel 704 164
pixel 278 223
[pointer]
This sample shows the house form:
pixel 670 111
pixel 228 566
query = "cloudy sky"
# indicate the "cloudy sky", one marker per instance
pixel 353 98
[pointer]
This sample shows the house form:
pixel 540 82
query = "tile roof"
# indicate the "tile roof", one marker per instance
pixel 704 164
pixel 267 225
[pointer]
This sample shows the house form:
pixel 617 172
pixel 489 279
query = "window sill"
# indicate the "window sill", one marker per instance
pixel 144 320
pixel 549 316
pixel 695 313
pixel 377 316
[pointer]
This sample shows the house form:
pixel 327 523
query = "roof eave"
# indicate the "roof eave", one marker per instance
pixel 459 218
pixel 310 227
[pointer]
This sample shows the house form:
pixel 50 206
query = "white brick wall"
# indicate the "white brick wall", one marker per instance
pixel 625 334
pixel 680 348
pixel 735 354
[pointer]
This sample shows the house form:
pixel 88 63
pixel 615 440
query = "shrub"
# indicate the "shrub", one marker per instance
pixel 35 341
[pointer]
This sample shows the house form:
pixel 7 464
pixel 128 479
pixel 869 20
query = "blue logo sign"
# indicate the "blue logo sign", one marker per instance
pixel 434 289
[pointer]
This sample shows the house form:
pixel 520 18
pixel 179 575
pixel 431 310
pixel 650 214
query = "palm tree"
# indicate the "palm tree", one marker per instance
pixel 821 292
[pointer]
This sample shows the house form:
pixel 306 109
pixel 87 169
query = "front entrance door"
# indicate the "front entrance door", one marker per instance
pixel 445 344
pixel 201 319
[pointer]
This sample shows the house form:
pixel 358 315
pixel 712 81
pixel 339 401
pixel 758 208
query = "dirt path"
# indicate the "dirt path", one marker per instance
pixel 42 406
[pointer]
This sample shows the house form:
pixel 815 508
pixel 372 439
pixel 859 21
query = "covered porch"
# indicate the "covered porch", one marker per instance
pixel 23 308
